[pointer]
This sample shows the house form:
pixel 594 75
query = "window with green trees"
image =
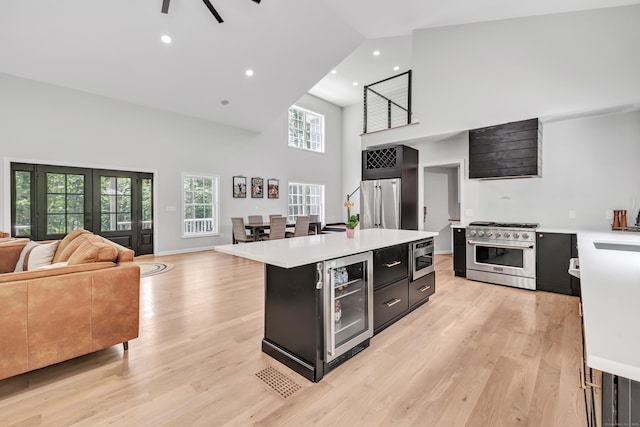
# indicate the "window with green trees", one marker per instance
pixel 200 205
pixel 306 129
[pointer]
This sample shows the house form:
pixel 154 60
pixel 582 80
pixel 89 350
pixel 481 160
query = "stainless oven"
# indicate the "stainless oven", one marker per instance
pixel 504 254
pixel 422 258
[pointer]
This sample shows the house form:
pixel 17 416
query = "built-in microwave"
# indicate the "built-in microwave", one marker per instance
pixel 422 258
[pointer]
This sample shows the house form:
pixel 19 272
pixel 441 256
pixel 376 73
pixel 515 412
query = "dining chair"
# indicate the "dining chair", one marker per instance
pixel 302 227
pixel 255 219
pixel 277 226
pixel 239 232
pixel 272 215
pixel 313 226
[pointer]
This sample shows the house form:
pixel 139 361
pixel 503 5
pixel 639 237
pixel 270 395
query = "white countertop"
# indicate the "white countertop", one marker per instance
pixel 610 283
pixel 297 251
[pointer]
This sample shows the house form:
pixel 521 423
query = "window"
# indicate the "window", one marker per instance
pixel 306 130
pixel 305 199
pixel 200 208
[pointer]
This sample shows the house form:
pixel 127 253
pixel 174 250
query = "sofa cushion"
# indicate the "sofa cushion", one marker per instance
pixel 93 249
pixel 67 245
pixel 35 255
pixel 10 250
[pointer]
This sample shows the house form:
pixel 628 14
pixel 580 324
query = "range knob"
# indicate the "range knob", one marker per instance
pixel 489 234
pixel 480 233
pixel 472 233
pixel 516 235
pixel 507 234
pixel 498 235
pixel 525 235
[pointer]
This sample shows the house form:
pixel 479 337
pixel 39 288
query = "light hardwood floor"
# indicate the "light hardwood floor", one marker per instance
pixel 476 354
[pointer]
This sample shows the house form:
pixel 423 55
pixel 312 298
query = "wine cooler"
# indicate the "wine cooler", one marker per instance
pixel 348 307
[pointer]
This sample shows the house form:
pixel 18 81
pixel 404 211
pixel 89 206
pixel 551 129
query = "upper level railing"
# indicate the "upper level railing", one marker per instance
pixel 387 103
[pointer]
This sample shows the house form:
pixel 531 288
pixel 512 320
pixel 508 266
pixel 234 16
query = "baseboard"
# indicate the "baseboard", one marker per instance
pixel 449 252
pixel 185 251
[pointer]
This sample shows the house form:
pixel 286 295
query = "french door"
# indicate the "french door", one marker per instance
pixel 47 202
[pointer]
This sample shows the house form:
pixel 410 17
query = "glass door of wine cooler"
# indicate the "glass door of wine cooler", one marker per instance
pixel 348 303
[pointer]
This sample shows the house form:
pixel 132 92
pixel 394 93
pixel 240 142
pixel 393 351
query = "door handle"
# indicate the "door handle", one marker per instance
pixel 392 302
pixel 392 264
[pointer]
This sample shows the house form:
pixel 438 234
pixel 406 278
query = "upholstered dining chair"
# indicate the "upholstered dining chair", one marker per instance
pixel 313 219
pixel 239 232
pixel 277 227
pixel 302 227
pixel 272 215
pixel 255 219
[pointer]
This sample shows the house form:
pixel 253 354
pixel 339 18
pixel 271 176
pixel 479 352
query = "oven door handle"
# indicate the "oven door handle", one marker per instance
pixel 515 245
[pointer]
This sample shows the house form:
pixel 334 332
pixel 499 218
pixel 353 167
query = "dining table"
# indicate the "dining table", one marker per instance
pixel 258 227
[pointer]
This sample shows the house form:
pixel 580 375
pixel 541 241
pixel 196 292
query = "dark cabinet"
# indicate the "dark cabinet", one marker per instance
pixel 390 303
pixel 390 265
pixel 553 252
pixel 459 252
pixel 392 161
pixel 421 289
pixel 506 150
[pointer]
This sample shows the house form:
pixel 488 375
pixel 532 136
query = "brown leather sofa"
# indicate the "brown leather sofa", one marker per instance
pixel 55 314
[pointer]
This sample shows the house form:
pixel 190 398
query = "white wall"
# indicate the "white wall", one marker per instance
pixel 351 155
pixel 47 124
pixel 482 74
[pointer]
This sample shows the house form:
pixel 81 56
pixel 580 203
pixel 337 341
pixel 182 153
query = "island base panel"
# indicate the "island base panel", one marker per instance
pixel 290 360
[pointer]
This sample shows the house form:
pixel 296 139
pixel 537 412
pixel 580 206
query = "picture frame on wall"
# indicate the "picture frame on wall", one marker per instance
pixel 239 187
pixel 273 188
pixel 257 188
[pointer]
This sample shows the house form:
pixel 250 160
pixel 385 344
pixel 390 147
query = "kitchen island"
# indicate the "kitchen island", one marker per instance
pixel 307 280
pixel 610 278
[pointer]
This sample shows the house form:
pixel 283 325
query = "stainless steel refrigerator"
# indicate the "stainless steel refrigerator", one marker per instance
pixel 380 202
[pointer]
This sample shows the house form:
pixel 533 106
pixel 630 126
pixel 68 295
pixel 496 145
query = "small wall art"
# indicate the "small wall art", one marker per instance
pixel 257 188
pixel 239 187
pixel 273 188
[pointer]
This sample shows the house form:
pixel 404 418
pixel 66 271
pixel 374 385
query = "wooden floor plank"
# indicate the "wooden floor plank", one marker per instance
pixel 476 354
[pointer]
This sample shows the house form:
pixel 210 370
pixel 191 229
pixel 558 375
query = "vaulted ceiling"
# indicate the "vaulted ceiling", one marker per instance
pixel 114 49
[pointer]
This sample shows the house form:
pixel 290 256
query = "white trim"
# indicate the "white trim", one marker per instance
pixel 185 251
pixel 215 203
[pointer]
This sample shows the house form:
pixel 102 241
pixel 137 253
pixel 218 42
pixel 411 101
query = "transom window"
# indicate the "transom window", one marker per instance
pixel 306 129
pixel 201 210
pixel 305 199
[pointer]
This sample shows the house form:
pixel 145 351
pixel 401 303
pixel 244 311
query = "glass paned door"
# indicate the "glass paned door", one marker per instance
pixel 64 201
pixel 22 204
pixel 115 203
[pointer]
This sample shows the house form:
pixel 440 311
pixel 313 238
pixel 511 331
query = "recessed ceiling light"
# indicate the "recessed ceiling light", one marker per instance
pixel 165 39
pixel 249 73
pixel 376 52
pixel 333 71
pixel 396 68
pixel 355 83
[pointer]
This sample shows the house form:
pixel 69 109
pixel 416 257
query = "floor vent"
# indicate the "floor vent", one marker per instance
pixel 278 382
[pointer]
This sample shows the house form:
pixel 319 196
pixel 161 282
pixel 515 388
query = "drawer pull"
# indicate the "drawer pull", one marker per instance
pixel 580 309
pixel 392 302
pixel 425 288
pixel 392 264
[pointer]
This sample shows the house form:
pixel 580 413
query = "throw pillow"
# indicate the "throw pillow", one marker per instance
pixel 69 244
pixel 56 265
pixel 93 249
pixel 35 255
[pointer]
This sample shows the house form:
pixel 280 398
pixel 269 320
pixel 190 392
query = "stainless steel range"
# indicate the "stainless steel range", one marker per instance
pixel 502 253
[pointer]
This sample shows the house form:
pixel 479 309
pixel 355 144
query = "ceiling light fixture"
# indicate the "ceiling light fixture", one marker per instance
pixel 249 73
pixel 165 39
pixel 355 83
pixel 376 52
pixel 396 68
pixel 333 71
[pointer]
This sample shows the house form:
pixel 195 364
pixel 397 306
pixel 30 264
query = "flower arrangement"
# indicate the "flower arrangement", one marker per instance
pixel 352 220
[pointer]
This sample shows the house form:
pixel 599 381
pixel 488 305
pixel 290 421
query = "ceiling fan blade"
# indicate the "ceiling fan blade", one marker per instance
pixel 165 6
pixel 213 10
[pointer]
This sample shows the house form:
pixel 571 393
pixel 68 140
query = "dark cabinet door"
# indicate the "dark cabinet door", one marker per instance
pixel 390 303
pixel 459 252
pixel 390 265
pixel 553 252
pixel 420 290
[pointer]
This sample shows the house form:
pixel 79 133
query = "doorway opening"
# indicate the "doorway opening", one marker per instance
pixel 442 203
